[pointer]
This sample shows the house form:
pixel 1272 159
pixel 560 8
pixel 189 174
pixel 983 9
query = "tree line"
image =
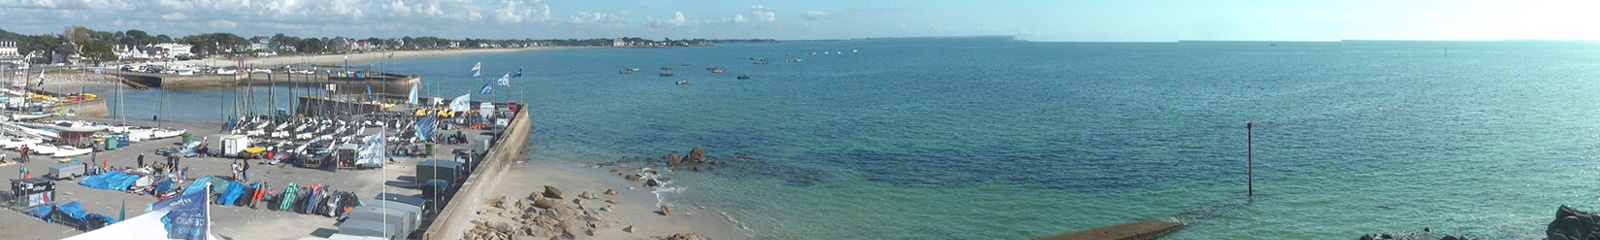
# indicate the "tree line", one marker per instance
pixel 99 46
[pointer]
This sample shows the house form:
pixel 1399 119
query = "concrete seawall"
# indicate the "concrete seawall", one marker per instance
pixel 86 108
pixel 385 83
pixel 456 216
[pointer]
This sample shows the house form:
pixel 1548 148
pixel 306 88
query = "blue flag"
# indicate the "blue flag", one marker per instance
pixel 186 216
pixel 369 92
pixel 426 126
pixel 519 73
pixel 488 88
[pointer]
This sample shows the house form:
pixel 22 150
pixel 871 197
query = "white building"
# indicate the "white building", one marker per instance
pixel 8 49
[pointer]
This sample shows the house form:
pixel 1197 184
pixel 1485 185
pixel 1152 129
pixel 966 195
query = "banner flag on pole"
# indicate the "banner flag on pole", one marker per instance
pixel 505 80
pixel 519 73
pixel 488 88
pixel 412 98
pixel 462 103
pixel 371 152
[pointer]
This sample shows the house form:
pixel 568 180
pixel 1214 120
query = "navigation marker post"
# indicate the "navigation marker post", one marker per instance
pixel 1250 156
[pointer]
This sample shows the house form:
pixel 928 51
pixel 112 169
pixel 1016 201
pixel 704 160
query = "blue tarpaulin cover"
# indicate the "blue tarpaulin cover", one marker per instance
pixel 111 181
pixel 198 185
pixel 232 194
pixel 42 212
pixel 73 210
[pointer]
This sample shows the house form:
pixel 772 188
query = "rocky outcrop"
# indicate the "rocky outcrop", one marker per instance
pixel 696 156
pixel 544 217
pixel 673 159
pixel 665 211
pixel 554 192
pixel 1571 224
pixel 587 195
pixel 688 236
pixel 612 192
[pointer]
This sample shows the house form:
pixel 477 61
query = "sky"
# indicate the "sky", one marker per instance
pixel 1063 20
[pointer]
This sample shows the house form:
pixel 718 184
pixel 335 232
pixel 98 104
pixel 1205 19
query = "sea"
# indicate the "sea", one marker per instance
pixel 996 138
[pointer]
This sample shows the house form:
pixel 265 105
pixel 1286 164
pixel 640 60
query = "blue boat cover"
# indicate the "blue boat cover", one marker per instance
pixel 73 210
pixel 42 212
pixel 232 194
pixel 121 183
pixel 164 185
pixel 98 181
pixel 197 186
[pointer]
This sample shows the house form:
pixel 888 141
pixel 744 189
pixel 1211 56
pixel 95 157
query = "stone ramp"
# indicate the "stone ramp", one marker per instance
pixel 1141 230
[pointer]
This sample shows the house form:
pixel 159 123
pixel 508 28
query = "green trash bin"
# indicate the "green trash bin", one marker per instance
pixel 430 149
pixel 185 137
pixel 111 143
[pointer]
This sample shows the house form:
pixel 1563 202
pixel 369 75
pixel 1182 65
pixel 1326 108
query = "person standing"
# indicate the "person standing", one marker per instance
pixel 141 160
pixel 24 151
pixel 244 169
pixel 236 170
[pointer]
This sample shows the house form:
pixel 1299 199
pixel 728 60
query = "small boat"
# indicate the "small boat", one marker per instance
pixel 683 82
pixel 166 133
pixel 633 69
pixel 625 72
pixel 719 70
pixel 25 117
pixel 743 77
pixel 14 143
pixel 41 149
pixel 666 68
pixel 793 60
pixel 68 151
pixel 665 74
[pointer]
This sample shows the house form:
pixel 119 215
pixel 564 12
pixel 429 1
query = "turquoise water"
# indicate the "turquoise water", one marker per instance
pixel 985 138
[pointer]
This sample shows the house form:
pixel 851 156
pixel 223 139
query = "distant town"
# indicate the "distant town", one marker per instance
pixel 78 45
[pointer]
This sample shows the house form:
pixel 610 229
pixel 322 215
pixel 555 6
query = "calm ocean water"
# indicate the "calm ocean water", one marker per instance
pixel 989 138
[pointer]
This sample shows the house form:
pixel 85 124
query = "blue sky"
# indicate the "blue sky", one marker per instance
pixel 1135 20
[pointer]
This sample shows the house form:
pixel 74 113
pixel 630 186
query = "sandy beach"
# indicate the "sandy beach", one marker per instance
pixel 354 58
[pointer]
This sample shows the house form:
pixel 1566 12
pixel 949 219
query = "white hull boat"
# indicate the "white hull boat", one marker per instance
pixel 166 133
pixel 25 117
pixel 41 149
pixel 70 151
pixel 14 143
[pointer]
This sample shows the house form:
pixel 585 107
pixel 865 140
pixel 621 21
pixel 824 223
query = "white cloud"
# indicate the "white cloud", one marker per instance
pixel 595 17
pixel 815 15
pixel 223 24
pixel 677 20
pixel 736 19
pixel 762 14
pixel 398 7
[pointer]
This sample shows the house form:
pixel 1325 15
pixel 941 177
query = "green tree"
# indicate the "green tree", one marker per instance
pixel 312 46
pixel 99 51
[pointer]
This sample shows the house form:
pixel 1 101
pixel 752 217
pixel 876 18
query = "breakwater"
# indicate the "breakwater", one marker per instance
pixel 455 218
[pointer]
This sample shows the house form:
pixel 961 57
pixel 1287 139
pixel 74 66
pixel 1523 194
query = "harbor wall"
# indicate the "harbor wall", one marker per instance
pixel 86 108
pixel 456 216
pixel 384 83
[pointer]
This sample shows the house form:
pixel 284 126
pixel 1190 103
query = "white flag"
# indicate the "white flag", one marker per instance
pixel 412 99
pixel 462 103
pixel 505 80
pixel 476 66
